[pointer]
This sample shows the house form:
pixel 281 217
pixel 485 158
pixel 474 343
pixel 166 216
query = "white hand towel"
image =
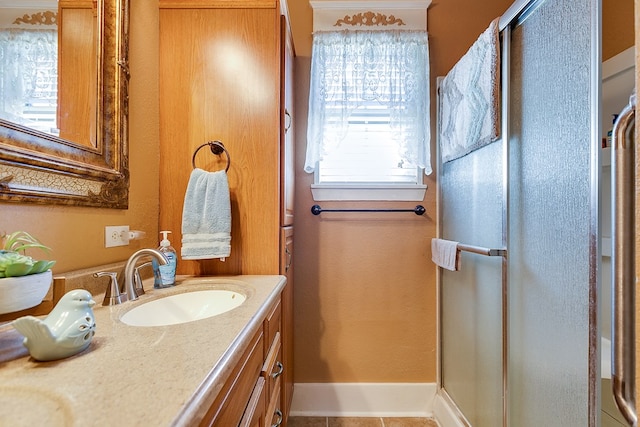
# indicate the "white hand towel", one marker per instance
pixel 206 216
pixel 445 254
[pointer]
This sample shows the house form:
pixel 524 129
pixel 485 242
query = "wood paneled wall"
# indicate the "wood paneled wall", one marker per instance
pixel 219 74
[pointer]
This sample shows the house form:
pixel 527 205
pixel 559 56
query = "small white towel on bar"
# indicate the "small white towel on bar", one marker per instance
pixel 206 216
pixel 469 98
pixel 445 254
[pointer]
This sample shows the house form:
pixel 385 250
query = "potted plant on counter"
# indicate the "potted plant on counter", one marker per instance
pixel 24 282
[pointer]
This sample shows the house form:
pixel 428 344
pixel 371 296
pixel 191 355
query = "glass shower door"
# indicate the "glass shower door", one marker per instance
pixel 520 341
pixel 471 298
pixel 553 215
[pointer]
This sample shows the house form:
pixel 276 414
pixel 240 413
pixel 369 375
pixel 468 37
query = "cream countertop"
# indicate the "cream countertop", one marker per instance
pixel 129 376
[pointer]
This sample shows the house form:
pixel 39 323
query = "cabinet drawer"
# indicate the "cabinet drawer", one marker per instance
pixel 272 368
pixel 274 416
pixel 228 408
pixel 255 414
pixel 272 326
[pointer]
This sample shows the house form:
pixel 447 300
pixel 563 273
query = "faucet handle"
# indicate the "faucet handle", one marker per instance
pixel 137 280
pixel 112 296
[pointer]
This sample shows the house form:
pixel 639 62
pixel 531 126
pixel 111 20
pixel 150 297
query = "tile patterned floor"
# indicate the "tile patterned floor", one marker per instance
pixel 359 422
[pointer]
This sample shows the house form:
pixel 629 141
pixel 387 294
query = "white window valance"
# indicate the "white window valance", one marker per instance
pixel 350 69
pixel 410 14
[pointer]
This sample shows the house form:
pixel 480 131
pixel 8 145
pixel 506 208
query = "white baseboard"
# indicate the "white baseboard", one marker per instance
pixel 445 414
pixel 363 399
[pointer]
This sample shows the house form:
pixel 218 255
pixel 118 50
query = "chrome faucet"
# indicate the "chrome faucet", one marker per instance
pixel 130 269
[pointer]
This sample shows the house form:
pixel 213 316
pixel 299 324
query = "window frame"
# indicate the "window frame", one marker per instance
pixel 329 15
pixel 368 190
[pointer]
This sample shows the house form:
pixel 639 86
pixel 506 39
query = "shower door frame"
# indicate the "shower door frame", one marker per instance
pixel 505 32
pixel 510 18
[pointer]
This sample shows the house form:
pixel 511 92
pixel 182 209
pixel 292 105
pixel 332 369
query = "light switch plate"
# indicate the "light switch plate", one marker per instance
pixel 116 236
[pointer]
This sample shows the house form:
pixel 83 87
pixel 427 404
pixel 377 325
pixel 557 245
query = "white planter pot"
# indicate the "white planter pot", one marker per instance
pixel 19 293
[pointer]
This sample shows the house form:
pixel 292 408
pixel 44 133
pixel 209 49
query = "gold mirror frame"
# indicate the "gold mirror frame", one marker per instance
pixel 39 168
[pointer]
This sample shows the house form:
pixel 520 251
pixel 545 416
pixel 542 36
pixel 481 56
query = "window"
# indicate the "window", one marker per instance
pixel 28 78
pixel 369 112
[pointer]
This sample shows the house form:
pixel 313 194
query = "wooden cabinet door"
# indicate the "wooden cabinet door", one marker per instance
pixel 219 80
pixel 287 153
pixel 286 269
pixel 229 407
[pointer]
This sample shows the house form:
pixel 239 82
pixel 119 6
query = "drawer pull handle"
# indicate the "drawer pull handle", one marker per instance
pixel 280 366
pixel 279 414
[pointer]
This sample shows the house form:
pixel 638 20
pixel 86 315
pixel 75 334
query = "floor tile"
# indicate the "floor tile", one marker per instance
pixel 354 422
pixel 408 422
pixel 307 422
pixel 360 422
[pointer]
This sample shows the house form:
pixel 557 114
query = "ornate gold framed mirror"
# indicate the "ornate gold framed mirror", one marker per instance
pixel 62 167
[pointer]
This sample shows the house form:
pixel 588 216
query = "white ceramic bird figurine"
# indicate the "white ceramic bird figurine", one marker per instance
pixel 67 330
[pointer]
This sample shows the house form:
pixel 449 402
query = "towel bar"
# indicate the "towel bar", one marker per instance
pixel 216 148
pixel 482 251
pixel 418 210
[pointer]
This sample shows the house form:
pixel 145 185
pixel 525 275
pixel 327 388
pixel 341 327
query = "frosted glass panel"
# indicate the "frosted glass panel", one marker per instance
pixel 550 219
pixel 471 316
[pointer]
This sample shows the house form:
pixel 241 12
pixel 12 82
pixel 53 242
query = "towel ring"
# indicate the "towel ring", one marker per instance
pixel 216 148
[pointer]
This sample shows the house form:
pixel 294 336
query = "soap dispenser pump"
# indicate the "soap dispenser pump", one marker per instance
pixel 165 275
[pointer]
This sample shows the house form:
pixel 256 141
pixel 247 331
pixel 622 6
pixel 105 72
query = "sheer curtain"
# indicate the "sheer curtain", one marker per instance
pixel 350 69
pixel 28 74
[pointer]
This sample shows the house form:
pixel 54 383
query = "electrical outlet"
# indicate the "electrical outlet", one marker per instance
pixel 116 236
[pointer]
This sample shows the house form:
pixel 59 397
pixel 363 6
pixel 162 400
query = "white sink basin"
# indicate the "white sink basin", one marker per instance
pixel 182 308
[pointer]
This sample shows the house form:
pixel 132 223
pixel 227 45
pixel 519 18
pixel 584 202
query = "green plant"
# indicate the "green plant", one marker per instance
pixel 14 264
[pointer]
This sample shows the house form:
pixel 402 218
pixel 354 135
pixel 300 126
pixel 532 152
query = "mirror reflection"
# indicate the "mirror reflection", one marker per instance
pixel 79 154
pixel 48 67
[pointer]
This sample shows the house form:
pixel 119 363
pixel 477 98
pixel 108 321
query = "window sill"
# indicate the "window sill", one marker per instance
pixel 324 192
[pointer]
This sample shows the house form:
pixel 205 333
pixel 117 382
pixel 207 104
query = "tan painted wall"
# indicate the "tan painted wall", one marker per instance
pixel 617 27
pixel 365 289
pixel 76 234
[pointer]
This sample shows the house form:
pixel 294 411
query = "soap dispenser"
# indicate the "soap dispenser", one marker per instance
pixel 165 275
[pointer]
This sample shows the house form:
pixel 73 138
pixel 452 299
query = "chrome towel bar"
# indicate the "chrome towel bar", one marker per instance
pixel 418 210
pixel 482 251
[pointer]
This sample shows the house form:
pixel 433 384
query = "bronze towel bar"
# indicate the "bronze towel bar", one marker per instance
pixel 418 210
pixel 216 148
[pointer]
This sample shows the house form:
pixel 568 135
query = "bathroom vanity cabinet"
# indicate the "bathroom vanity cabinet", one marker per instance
pixel 252 394
pixel 223 370
pixel 226 74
